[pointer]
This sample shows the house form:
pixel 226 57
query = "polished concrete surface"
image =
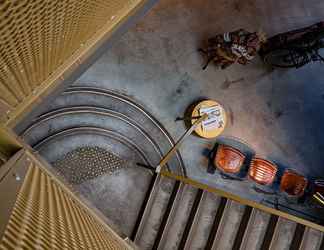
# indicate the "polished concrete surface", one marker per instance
pixel 278 113
pixel 95 139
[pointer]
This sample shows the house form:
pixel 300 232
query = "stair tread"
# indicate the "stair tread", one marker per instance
pixel 283 234
pixel 229 225
pixel 180 218
pixel 255 230
pixel 96 98
pixel 88 119
pixel 59 147
pixel 146 238
pixel 312 239
pixel 203 222
pixel 76 96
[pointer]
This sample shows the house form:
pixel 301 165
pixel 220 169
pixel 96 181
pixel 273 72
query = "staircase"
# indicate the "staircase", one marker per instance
pixel 84 128
pixel 197 219
pixel 95 138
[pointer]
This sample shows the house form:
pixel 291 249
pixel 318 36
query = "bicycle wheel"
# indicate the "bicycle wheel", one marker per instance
pixel 320 50
pixel 285 58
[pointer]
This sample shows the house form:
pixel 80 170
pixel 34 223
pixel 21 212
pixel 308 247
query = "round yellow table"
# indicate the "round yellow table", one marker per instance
pixel 209 133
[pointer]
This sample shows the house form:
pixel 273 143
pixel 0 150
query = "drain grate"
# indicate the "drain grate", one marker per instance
pixel 86 163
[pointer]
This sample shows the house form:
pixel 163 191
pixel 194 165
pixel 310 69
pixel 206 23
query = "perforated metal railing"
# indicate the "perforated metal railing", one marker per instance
pixel 46 216
pixel 39 36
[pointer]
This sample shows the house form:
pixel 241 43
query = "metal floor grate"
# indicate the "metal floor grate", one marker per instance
pixel 86 163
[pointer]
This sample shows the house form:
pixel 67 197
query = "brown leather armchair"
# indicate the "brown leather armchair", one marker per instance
pixel 228 159
pixel 293 183
pixel 262 171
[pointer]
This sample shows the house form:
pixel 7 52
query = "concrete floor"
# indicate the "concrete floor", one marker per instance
pixel 277 113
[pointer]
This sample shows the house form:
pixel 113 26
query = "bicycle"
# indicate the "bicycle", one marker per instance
pixel 296 48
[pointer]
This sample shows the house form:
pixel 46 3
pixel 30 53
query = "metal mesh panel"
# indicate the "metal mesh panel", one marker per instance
pixel 45 216
pixel 86 163
pixel 38 36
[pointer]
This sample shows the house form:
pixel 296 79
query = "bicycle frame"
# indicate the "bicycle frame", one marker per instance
pixel 302 45
pixel 307 53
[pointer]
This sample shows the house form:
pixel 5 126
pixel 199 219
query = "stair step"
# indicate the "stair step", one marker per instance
pixel 147 132
pixel 153 216
pixel 55 147
pixel 169 217
pixel 283 234
pixel 312 240
pixel 229 225
pixel 203 221
pixel 56 122
pixel 111 100
pixel 146 208
pixel 191 217
pixel 180 219
pixel 298 236
pixel 216 222
pixel 87 117
pixel 255 230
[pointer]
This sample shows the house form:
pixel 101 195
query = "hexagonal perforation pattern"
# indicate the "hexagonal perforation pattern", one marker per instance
pixel 86 163
pixel 38 36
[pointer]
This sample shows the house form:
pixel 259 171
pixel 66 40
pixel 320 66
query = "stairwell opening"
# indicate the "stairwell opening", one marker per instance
pixel 84 128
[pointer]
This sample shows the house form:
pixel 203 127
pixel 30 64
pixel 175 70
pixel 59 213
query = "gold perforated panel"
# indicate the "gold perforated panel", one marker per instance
pixel 39 36
pixel 46 216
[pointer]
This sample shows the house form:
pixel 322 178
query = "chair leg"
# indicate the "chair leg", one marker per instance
pixel 207 63
pixel 202 51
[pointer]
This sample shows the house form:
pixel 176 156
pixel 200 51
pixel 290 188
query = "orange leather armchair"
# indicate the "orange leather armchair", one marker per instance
pixel 228 159
pixel 293 183
pixel 262 171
